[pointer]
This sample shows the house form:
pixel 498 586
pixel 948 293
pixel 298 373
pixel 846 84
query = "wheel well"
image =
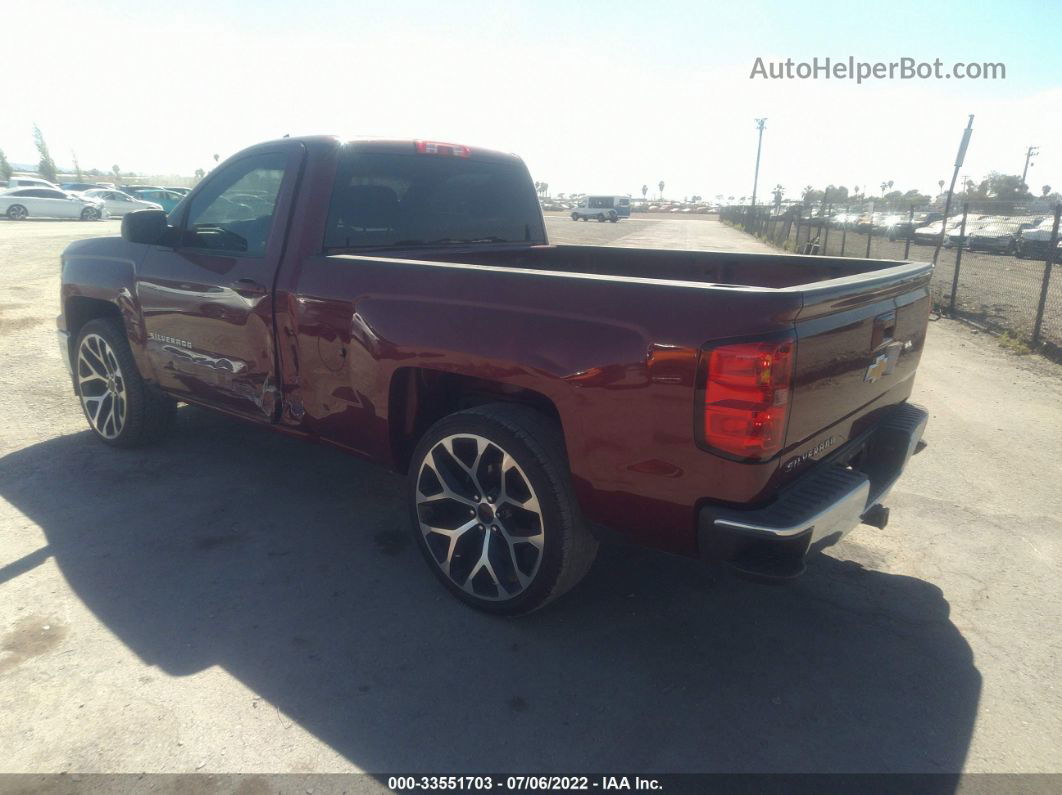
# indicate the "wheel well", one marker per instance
pixel 420 397
pixel 80 310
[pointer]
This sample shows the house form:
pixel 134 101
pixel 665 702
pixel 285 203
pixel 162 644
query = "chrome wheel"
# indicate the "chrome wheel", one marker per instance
pixel 480 517
pixel 16 212
pixel 90 214
pixel 101 386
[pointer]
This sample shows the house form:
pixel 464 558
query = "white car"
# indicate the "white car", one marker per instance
pixel 118 203
pixel 30 182
pixel 49 203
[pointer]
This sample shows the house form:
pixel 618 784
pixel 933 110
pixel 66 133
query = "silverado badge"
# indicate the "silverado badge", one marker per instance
pixel 876 369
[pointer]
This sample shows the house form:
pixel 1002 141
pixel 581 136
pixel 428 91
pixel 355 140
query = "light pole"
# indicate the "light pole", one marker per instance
pixel 959 159
pixel 1030 153
pixel 760 123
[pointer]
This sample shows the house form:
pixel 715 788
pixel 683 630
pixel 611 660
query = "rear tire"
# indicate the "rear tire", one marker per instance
pixel 121 409
pixel 601 219
pixel 16 212
pixel 510 458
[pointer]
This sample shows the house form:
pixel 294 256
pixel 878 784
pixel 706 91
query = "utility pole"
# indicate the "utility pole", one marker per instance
pixel 1030 153
pixel 959 158
pixel 760 123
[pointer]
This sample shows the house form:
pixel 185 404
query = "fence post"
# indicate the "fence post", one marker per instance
pixel 1052 255
pixel 870 234
pixel 826 230
pixel 910 234
pixel 958 257
pixel 844 228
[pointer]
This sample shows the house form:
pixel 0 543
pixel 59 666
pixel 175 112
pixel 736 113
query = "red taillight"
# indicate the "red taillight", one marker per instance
pixel 439 148
pixel 746 397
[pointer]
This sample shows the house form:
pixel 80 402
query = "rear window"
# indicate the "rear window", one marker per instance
pixel 397 200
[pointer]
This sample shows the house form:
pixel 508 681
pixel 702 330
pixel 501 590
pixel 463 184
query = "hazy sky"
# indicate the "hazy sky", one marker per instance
pixel 596 96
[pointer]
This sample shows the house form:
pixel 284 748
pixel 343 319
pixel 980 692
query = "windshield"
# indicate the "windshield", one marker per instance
pixel 407 200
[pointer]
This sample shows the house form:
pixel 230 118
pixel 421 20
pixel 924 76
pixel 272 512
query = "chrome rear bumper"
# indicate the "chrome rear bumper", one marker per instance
pixel 819 508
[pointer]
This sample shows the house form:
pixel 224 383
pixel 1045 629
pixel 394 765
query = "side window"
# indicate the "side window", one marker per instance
pixel 234 211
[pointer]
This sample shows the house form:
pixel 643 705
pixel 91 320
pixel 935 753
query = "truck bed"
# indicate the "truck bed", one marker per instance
pixel 730 269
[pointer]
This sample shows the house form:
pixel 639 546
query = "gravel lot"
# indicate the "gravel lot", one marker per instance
pixel 192 608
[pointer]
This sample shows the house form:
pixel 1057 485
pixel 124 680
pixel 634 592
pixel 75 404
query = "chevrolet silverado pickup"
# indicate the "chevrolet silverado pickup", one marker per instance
pixel 400 300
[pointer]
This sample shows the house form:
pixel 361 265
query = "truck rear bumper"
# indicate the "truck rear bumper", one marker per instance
pixel 818 509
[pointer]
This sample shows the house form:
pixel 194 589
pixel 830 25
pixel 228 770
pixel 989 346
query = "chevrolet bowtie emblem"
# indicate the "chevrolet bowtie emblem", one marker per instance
pixel 876 369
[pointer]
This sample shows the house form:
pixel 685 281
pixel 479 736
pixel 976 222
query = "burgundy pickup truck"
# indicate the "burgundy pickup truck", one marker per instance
pixel 400 300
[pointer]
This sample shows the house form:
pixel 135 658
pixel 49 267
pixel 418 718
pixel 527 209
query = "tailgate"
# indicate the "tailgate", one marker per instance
pixel 857 338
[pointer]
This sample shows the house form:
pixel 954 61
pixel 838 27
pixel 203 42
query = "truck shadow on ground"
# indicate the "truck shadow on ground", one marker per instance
pixel 290 566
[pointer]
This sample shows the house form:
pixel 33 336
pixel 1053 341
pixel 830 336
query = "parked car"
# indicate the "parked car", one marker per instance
pixel 132 189
pixel 23 203
pixel 181 191
pixel 30 182
pixel 1000 237
pixel 602 208
pixel 903 226
pixel 749 408
pixel 1034 243
pixel 166 199
pixel 974 224
pixel 118 203
pixel 929 234
pixel 79 187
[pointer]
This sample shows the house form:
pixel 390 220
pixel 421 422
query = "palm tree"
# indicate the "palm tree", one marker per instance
pixel 884 185
pixel 1046 190
pixel 645 190
pixel 661 186
pixel 779 192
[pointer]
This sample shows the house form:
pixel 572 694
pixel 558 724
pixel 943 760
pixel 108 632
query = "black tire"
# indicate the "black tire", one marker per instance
pixel 90 214
pixel 146 413
pixel 16 212
pixel 600 219
pixel 575 216
pixel 612 218
pixel 535 446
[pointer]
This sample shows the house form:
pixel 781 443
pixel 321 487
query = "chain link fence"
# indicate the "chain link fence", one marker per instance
pixel 994 263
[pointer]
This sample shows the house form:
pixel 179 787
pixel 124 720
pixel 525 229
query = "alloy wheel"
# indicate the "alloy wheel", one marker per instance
pixel 480 517
pixel 101 386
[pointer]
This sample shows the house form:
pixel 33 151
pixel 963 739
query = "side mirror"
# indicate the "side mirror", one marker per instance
pixel 144 226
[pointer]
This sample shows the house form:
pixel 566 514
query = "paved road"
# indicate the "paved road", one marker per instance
pixel 236 601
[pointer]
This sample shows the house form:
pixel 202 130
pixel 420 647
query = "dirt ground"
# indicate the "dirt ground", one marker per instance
pixel 233 601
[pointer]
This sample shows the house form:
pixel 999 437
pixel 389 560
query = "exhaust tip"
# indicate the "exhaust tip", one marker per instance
pixel 877 516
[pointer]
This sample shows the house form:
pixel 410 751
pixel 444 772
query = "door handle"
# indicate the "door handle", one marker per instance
pixel 248 287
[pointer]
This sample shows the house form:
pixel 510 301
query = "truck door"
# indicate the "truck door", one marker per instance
pixel 207 301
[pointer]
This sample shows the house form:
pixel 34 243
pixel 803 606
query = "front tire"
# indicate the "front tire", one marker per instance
pixel 575 216
pixel 90 214
pixel 16 212
pixel 494 512
pixel 121 409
